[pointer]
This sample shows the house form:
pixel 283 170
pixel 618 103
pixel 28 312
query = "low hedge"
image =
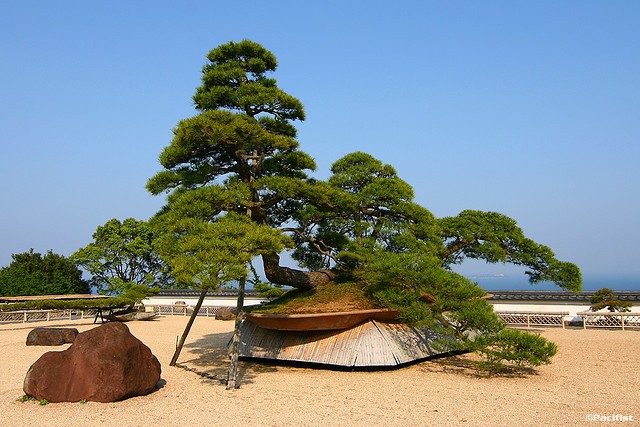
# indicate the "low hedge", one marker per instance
pixel 67 304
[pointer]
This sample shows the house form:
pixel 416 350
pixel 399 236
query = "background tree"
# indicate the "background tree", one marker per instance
pixel 30 273
pixel 121 255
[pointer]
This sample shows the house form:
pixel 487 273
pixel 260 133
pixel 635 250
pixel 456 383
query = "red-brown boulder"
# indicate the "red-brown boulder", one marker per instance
pixel 104 364
pixel 51 336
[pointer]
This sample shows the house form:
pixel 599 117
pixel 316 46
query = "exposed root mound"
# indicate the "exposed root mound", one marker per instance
pixel 330 298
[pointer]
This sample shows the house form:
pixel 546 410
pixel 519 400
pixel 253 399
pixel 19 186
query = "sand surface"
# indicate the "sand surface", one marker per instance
pixel 595 372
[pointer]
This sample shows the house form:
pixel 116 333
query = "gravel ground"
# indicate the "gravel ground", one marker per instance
pixel 594 375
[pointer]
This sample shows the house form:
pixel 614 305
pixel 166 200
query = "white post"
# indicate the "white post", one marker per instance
pixel 622 320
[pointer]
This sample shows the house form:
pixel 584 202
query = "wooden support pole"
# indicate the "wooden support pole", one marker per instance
pixel 235 343
pixel 183 338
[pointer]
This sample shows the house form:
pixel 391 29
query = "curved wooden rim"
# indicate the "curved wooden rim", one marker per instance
pixel 319 321
pixel 313 315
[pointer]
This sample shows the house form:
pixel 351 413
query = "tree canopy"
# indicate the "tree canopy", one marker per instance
pixel 239 158
pixel 208 255
pixel 30 273
pixel 239 154
pixel 121 255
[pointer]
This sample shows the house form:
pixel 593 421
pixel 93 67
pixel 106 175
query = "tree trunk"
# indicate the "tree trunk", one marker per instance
pixel 174 359
pixel 235 343
pixel 296 278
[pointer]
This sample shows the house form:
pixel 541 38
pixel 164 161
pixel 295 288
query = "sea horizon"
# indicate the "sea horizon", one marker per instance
pixel 520 282
pixel 517 282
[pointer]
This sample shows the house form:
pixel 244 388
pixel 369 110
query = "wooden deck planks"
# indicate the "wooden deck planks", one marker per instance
pixel 370 344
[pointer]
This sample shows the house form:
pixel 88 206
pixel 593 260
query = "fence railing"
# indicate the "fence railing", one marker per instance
pixel 25 316
pixel 533 318
pixel 521 318
pixel 591 319
pixel 182 310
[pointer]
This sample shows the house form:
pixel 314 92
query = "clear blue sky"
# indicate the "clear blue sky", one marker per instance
pixel 527 108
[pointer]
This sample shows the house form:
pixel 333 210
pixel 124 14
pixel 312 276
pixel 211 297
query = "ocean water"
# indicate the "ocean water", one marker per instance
pixel 506 282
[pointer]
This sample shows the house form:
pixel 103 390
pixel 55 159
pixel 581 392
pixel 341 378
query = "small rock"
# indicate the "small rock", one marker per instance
pixel 225 313
pixel 51 336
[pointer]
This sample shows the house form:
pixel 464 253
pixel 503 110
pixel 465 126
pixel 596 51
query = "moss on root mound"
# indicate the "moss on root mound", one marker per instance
pixel 329 298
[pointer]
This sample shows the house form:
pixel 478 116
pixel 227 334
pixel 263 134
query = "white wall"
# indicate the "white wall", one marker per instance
pixel 548 306
pixel 192 301
pixel 514 306
pixel 544 306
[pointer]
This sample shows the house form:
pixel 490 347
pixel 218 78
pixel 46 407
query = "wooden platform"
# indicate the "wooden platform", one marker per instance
pixel 372 344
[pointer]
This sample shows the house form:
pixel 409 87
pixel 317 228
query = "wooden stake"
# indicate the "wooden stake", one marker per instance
pixel 183 338
pixel 235 343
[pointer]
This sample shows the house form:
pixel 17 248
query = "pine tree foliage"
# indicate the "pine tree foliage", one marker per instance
pixel 606 298
pixel 236 168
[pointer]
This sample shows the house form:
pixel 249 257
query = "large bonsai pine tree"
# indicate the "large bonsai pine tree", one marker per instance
pixel 240 155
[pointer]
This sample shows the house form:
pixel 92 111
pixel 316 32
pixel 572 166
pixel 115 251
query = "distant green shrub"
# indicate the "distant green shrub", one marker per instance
pixel 66 304
pixel 133 296
pixel 606 298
